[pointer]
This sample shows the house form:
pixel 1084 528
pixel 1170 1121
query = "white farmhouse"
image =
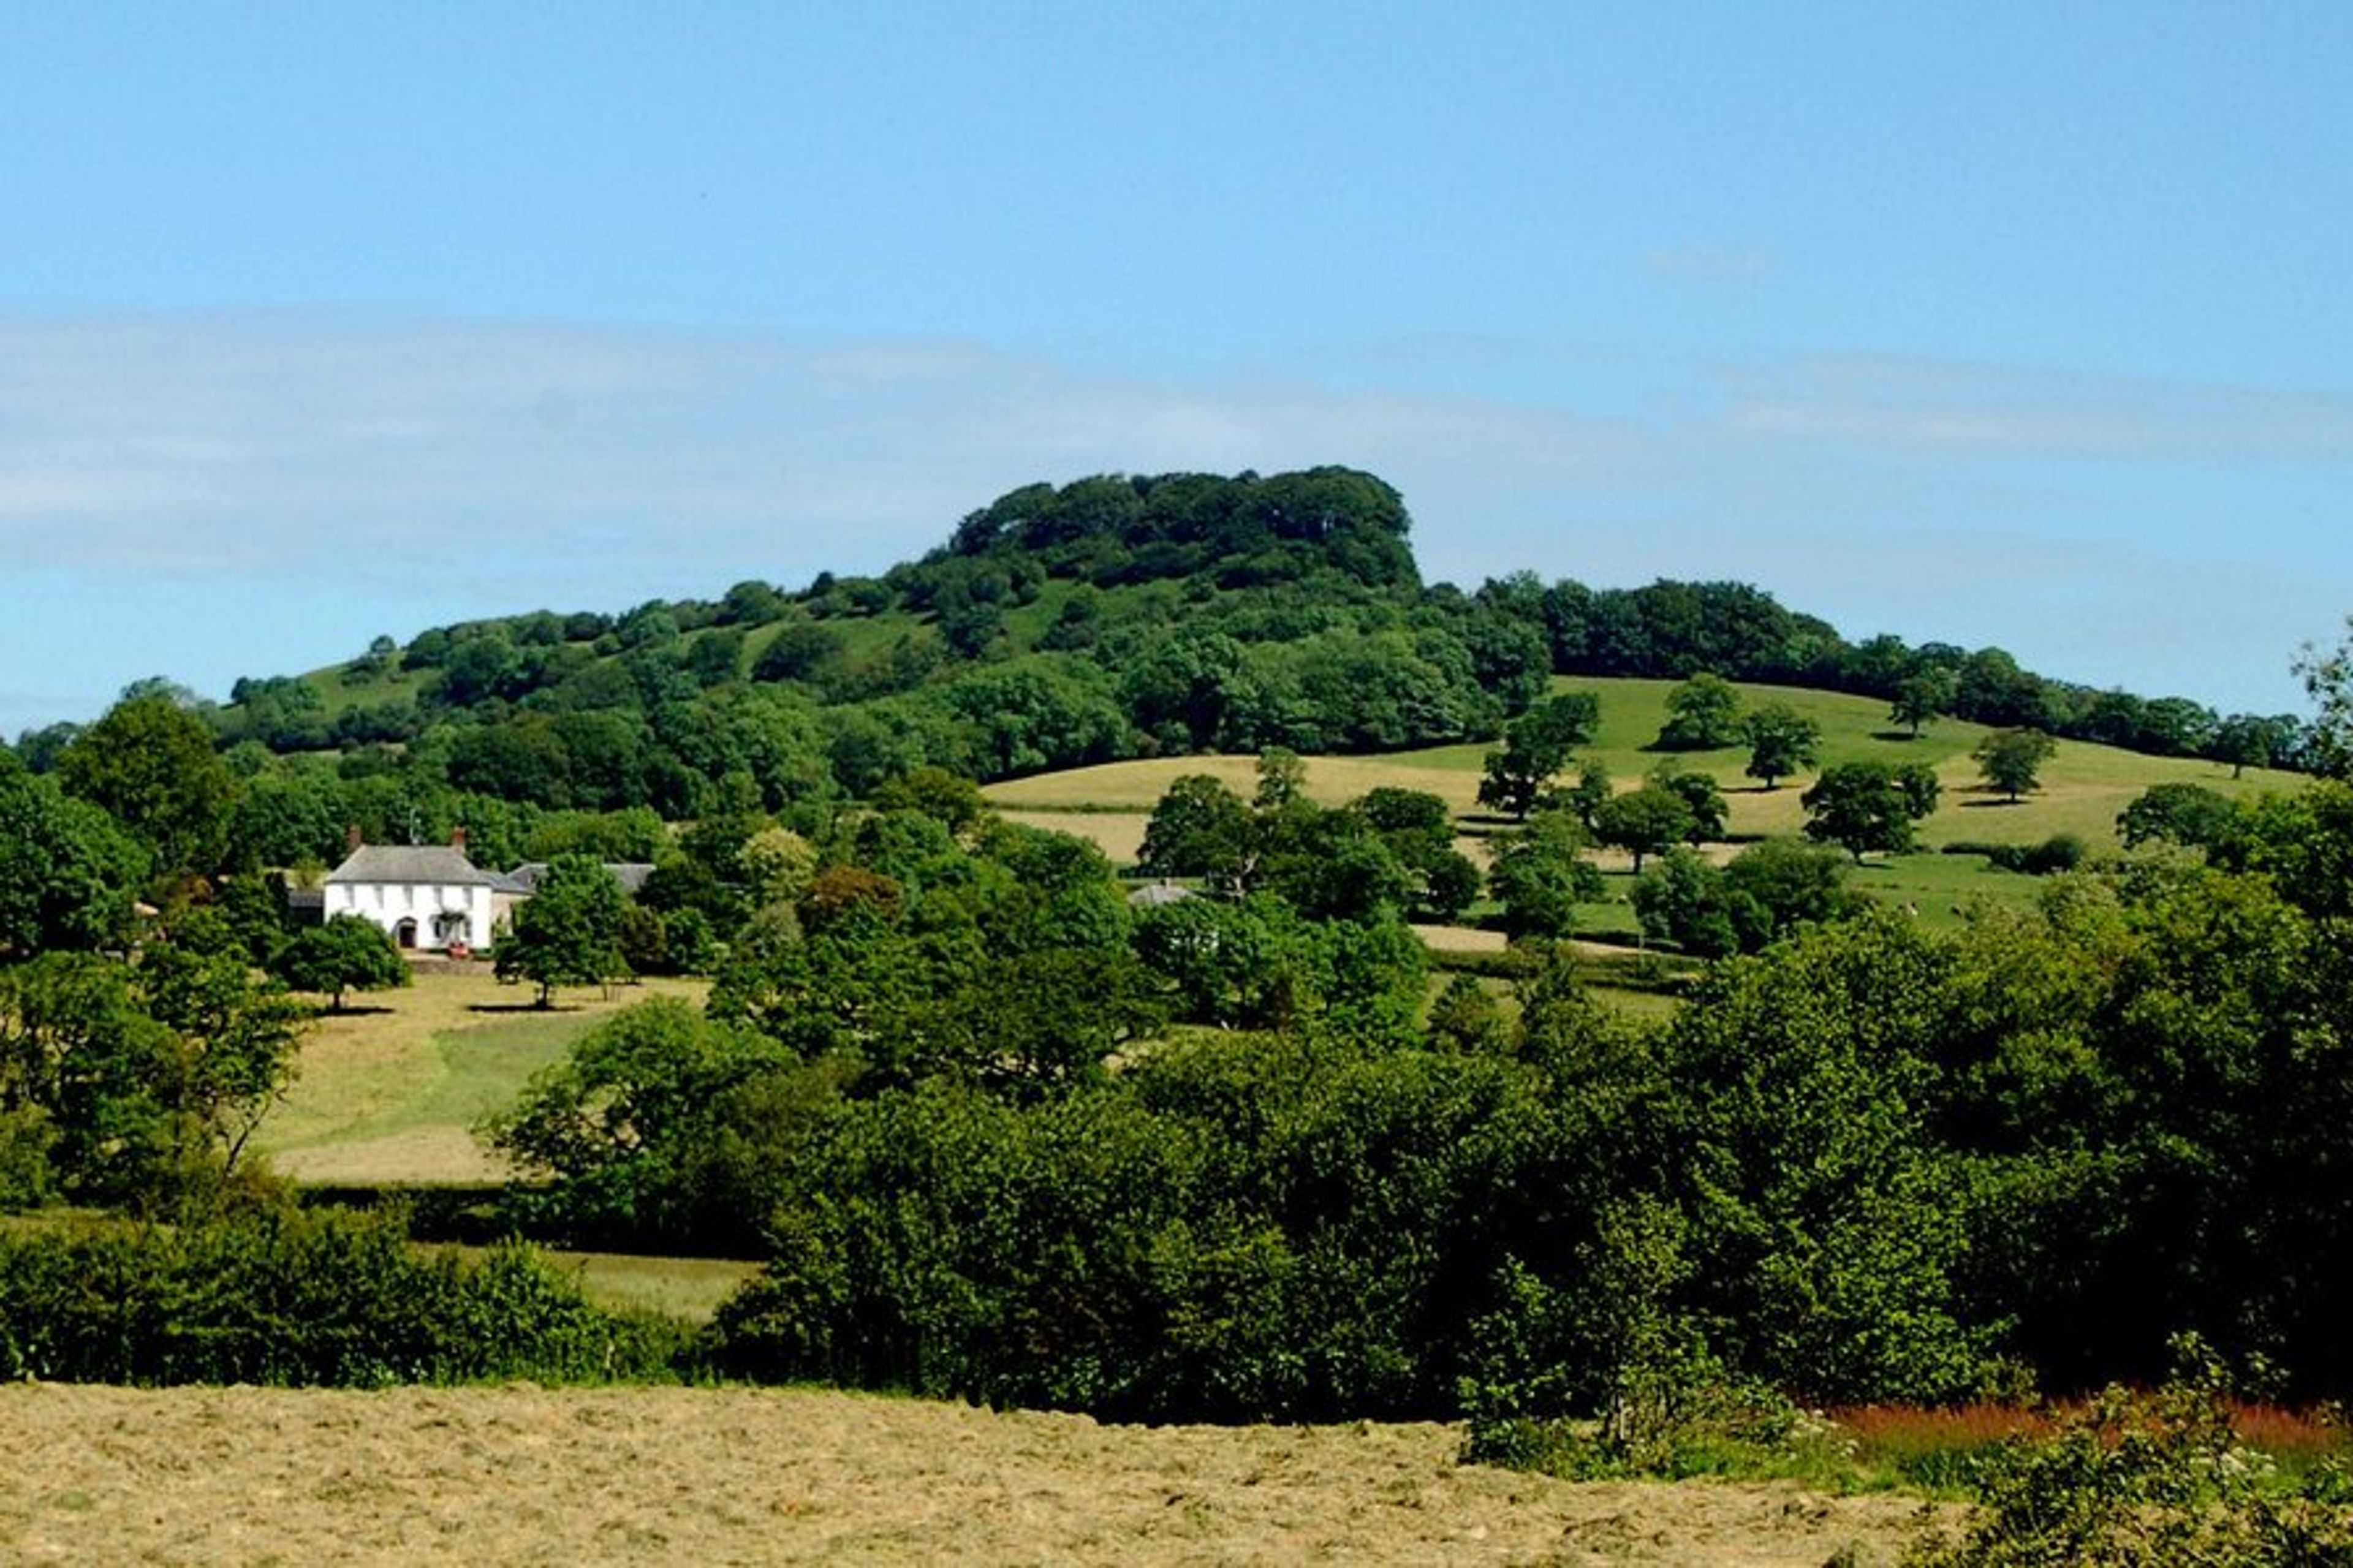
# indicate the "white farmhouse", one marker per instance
pixel 428 897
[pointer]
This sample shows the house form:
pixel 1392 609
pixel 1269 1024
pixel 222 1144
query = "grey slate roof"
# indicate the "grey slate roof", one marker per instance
pixel 437 864
pixel 630 874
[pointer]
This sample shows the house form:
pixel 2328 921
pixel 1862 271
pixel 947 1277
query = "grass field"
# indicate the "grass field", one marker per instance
pixel 387 1091
pixel 2083 787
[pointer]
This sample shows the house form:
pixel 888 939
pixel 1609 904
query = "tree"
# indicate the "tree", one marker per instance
pixel 1199 828
pixel 1643 822
pixel 2178 813
pixel 67 873
pixel 1768 891
pixel 568 932
pixel 1419 831
pixel 235 1033
pixel 1777 886
pixel 1584 796
pixel 2245 741
pixel 1703 713
pixel 1684 900
pixel 1780 742
pixel 1536 746
pixel 1540 875
pixel 151 764
pixel 2011 760
pixel 2327 676
pixel 1281 779
pixel 1700 795
pixel 345 952
pixel 1923 697
pixel 1868 807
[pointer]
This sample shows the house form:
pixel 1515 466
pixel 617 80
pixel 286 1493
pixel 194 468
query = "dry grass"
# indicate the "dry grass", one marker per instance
pixel 717 1477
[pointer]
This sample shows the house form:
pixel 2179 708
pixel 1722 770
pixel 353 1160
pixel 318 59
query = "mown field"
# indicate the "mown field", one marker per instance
pixel 389 1089
pixel 524 1475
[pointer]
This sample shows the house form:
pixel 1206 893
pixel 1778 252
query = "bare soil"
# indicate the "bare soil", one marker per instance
pixel 713 1477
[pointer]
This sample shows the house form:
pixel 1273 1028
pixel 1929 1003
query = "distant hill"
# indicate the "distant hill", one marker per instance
pixel 1115 618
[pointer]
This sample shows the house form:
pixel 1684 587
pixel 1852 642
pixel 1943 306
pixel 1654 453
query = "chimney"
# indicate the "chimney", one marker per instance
pixel 351 840
pixel 457 839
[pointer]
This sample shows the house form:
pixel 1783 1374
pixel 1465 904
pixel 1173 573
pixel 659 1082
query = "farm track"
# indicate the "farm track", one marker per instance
pixel 712 1477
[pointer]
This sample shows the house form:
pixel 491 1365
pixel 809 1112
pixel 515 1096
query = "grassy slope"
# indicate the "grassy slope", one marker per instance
pixel 2084 786
pixel 389 1091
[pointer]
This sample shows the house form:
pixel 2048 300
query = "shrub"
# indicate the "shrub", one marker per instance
pixel 2060 852
pixel 284 1297
pixel 2137 1479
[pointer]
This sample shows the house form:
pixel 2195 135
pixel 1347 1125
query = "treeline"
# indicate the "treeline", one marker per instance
pixel 1673 630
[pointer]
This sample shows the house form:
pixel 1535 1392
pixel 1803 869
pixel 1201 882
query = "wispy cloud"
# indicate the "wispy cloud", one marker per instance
pixel 1915 404
pixel 264 491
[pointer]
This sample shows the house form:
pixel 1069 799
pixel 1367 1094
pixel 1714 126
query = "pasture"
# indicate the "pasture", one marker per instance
pixel 387 1091
pixel 2084 786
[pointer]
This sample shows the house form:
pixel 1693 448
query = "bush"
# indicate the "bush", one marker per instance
pixel 2148 1480
pixel 2060 852
pixel 303 1299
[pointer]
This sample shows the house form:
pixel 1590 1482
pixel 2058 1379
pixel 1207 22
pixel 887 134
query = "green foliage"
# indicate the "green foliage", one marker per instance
pixel 278 1296
pixel 1214 1236
pixel 345 952
pixel 2011 760
pixel 1781 740
pixel 2186 814
pixel 1536 746
pixel 1868 807
pixel 634 1124
pixel 2060 852
pixel 1703 713
pixel 1540 875
pixel 1829 1228
pixel 150 764
pixel 1201 828
pixel 1923 697
pixel 68 873
pixel 138 1085
pixel 1645 821
pixel 1684 900
pixel 2146 1481
pixel 568 932
pixel 1418 832
pixel 2327 676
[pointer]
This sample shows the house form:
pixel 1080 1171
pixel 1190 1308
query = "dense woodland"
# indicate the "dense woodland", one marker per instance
pixel 997 1131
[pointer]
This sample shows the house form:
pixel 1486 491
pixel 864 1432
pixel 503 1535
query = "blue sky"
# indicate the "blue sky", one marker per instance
pixel 2006 324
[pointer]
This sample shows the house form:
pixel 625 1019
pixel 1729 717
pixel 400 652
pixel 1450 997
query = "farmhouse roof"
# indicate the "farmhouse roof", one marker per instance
pixel 631 874
pixel 441 865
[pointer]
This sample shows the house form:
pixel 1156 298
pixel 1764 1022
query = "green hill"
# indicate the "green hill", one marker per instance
pixel 1116 621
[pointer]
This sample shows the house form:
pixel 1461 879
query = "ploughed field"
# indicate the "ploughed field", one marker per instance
pixel 710 1477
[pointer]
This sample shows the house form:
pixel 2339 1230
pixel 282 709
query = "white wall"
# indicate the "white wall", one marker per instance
pixel 389 903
